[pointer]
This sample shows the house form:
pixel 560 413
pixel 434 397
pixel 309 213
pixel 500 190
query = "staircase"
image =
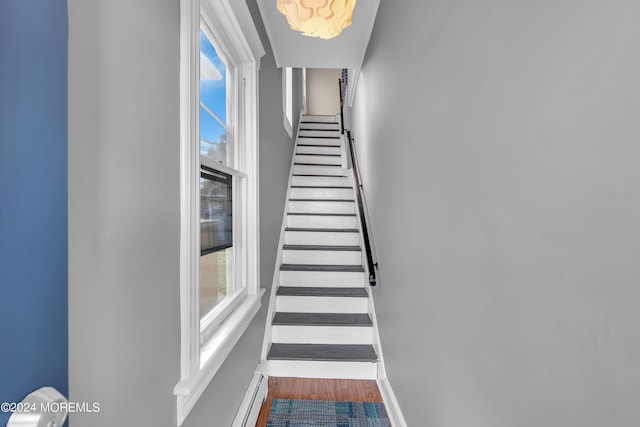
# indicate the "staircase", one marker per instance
pixel 320 314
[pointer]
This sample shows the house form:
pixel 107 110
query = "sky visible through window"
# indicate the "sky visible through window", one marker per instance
pixel 213 93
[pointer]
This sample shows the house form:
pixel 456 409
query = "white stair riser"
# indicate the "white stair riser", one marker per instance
pixel 322 334
pixel 322 207
pixel 303 149
pixel 320 180
pixel 318 221
pixel 322 278
pixel 322 193
pixel 315 257
pixel 321 238
pixel 322 369
pixel 330 126
pixel 321 133
pixel 312 118
pixel 298 304
pixel 317 141
pixel 317 170
pixel 318 160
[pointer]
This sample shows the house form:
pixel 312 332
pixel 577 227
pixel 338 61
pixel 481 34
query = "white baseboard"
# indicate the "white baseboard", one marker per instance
pixel 256 394
pixel 391 403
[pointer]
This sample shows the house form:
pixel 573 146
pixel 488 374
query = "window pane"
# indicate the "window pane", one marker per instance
pixel 216 238
pixel 216 225
pixel 213 143
pixel 213 279
pixel 213 102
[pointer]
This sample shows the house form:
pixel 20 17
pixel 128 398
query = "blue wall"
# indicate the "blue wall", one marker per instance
pixel 33 197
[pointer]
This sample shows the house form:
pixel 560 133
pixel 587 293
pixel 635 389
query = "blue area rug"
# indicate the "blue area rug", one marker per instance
pixel 321 413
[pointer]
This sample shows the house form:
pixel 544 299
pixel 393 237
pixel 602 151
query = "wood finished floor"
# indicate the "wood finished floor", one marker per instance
pixel 318 389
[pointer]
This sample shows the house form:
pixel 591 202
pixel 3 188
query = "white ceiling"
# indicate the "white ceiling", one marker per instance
pixel 291 49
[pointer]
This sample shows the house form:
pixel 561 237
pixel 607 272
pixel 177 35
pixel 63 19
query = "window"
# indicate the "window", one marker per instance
pixel 287 101
pixel 304 91
pixel 219 289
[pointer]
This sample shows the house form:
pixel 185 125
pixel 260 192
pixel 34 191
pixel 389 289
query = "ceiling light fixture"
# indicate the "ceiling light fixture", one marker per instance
pixel 318 18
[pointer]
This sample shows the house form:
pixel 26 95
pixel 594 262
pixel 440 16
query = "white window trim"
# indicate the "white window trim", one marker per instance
pixel 233 26
pixel 304 91
pixel 287 97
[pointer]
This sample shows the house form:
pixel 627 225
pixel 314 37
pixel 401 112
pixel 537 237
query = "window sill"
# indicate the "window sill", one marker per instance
pixel 214 352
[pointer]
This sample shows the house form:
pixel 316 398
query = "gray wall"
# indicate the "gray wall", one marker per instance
pixel 500 148
pixel 276 149
pixel 124 324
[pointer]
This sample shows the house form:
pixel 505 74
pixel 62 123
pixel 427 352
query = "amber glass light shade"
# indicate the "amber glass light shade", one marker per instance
pixel 318 18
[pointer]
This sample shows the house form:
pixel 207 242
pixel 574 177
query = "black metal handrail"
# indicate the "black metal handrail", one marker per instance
pixel 371 263
pixel 361 208
pixel 341 107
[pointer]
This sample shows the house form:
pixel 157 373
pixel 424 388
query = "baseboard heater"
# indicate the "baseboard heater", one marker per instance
pixel 249 409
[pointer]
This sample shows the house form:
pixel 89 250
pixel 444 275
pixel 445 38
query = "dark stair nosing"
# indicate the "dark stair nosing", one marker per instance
pixel 323 230
pixel 320 214
pixel 338 268
pixel 322 200
pixel 304 291
pixel 318 145
pixel 322 123
pixel 323 352
pixel 333 187
pixel 320 130
pixel 317 164
pixel 317 122
pixel 318 154
pixel 322 319
pixel 322 248
pixel 319 175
